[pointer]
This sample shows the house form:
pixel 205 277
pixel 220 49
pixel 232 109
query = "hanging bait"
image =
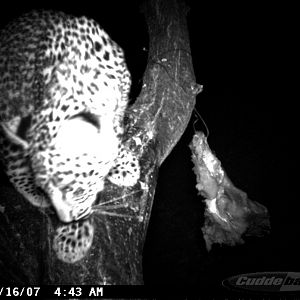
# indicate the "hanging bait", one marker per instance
pixel 229 213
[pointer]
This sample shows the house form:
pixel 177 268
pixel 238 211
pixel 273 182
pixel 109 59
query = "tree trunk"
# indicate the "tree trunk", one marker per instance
pixel 155 123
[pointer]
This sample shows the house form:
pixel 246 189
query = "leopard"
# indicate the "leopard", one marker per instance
pixel 64 92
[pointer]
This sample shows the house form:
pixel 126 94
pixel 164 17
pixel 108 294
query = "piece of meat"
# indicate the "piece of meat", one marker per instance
pixel 229 213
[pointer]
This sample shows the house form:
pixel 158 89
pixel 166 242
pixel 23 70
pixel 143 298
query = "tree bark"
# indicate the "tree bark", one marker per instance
pixel 155 123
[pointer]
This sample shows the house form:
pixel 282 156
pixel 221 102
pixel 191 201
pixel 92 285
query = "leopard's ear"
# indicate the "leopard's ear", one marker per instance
pixel 12 135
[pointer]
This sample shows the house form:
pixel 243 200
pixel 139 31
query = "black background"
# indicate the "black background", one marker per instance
pixel 239 54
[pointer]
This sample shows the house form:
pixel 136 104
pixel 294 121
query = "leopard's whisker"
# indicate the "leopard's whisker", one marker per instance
pixel 116 215
pixel 115 199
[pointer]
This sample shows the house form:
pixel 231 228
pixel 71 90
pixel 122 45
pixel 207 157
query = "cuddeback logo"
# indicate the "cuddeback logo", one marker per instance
pixel 265 282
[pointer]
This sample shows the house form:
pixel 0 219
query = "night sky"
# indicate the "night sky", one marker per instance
pixel 236 56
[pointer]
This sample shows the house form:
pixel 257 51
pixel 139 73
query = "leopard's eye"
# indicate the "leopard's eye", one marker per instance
pixel 89 118
pixel 23 127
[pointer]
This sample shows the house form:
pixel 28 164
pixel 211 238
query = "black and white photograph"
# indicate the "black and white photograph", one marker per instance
pixel 146 151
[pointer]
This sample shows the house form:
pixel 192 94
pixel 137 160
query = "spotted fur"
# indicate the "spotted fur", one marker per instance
pixel 72 242
pixel 126 171
pixel 64 88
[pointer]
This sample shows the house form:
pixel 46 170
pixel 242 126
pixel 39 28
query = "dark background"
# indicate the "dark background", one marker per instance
pixel 239 56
